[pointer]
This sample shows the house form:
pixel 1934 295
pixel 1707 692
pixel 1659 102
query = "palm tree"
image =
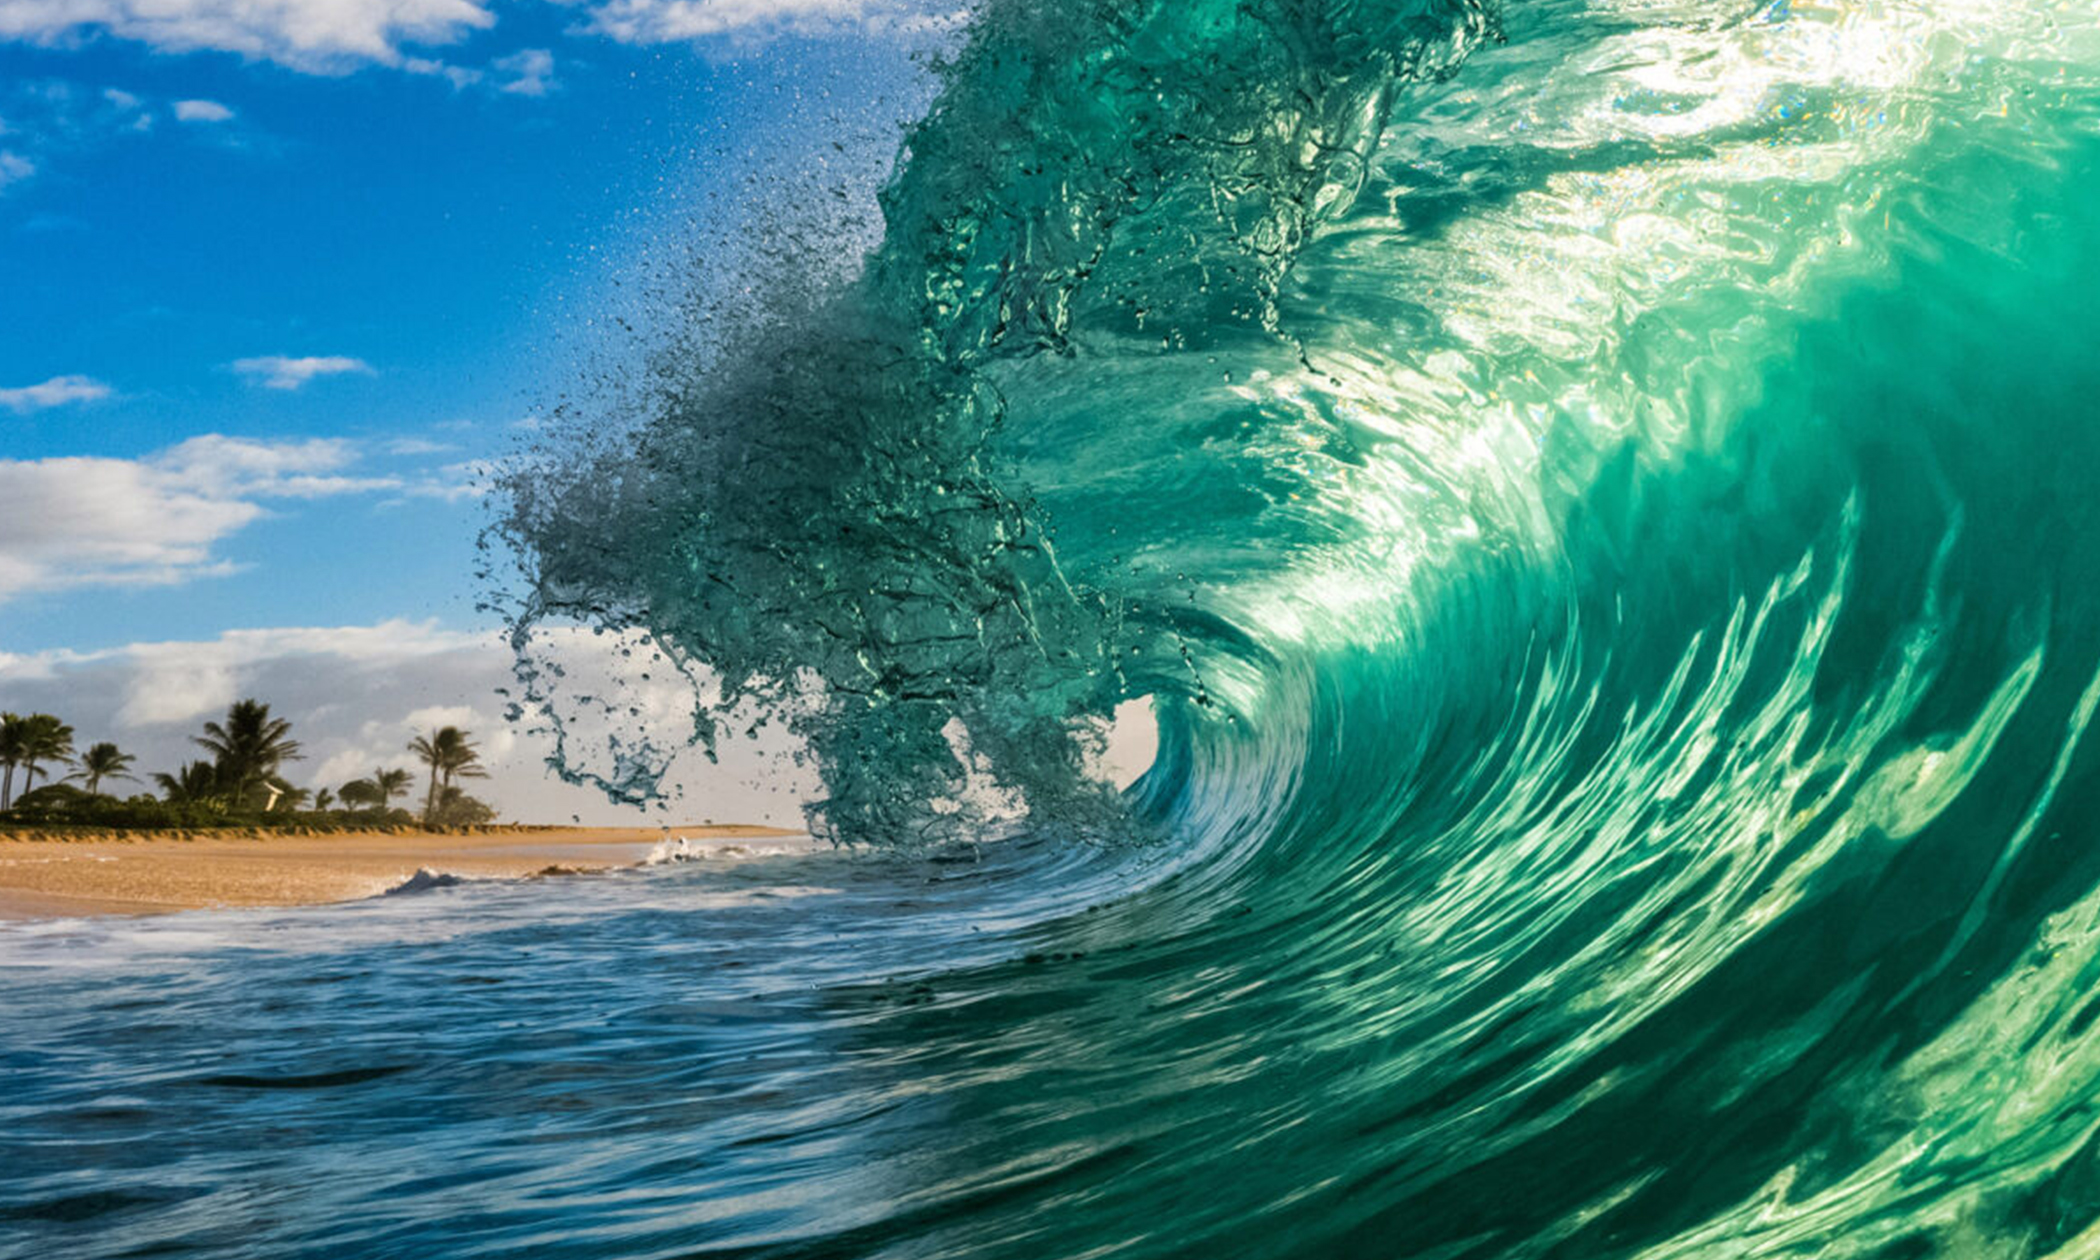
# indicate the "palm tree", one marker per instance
pixel 324 798
pixel 390 784
pixel 464 763
pixel 427 750
pixel 103 761
pixel 248 746
pixel 44 738
pixel 194 784
pixel 11 733
pixel 450 753
pixel 361 794
pixel 464 759
pixel 377 790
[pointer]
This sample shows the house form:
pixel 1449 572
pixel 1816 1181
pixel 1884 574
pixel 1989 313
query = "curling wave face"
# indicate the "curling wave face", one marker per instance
pixel 1598 495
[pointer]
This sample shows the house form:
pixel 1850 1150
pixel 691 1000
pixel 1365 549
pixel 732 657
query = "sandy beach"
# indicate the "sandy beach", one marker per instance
pixel 159 873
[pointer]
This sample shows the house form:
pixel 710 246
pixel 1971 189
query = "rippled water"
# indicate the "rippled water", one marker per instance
pixel 1599 499
pixel 653 1062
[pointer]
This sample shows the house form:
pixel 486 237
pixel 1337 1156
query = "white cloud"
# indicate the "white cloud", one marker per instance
pixel 285 470
pixel 277 371
pixel 335 36
pixel 73 522
pixel 460 77
pixel 356 695
pixel 527 72
pixel 14 168
pixel 667 21
pixel 56 392
pixel 446 491
pixel 187 682
pixel 316 35
pixel 51 120
pixel 202 112
pixel 452 483
pixel 434 716
pixel 417 446
pixel 530 72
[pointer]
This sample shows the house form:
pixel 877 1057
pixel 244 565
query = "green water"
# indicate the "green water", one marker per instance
pixel 1600 501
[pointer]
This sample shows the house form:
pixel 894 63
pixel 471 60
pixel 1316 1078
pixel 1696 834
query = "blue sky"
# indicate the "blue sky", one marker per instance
pixel 279 277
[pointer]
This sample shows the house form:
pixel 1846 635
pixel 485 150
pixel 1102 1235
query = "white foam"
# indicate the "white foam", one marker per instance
pixel 676 849
pixel 685 849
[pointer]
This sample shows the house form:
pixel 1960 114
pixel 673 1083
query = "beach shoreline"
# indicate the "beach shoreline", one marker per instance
pixel 161 873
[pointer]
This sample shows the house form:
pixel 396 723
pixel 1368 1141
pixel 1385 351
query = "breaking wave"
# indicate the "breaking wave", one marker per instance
pixel 1598 497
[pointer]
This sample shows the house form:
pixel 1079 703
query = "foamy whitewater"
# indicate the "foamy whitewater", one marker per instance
pixel 1599 499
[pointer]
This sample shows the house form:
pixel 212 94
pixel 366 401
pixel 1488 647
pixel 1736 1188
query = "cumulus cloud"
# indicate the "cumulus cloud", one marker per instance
pixel 74 522
pixel 202 112
pixel 316 35
pixel 56 392
pixel 277 371
pixel 355 696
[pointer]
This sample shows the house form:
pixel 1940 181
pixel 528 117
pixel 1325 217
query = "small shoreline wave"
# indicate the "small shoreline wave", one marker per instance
pixel 424 880
pixel 672 851
pixel 683 849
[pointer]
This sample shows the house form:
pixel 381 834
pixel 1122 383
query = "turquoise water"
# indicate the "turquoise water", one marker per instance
pixel 1598 501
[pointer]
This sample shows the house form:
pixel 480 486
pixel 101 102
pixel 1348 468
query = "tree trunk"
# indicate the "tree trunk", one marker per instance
pixel 7 787
pixel 430 798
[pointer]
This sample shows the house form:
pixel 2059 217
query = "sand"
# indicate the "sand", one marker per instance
pixel 158 873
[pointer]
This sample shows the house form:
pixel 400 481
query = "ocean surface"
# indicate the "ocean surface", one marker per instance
pixel 1600 502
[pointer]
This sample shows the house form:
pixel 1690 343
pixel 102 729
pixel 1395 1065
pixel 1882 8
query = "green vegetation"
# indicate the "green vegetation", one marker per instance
pixel 103 761
pixel 450 754
pixel 27 743
pixel 11 732
pixel 194 784
pixel 240 785
pixel 247 749
pixel 377 791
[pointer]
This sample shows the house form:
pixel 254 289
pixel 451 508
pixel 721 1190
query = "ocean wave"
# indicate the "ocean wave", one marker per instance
pixel 1597 499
